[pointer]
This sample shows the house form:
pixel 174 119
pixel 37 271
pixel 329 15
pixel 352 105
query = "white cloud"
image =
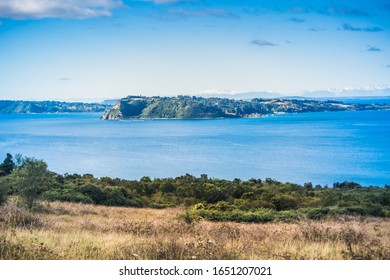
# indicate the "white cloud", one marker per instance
pixel 263 43
pixel 158 2
pixel 37 9
pixel 200 13
pixel 165 1
pixel 217 91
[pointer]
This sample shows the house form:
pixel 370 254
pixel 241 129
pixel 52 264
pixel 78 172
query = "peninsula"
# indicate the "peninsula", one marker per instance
pixel 31 107
pixel 187 107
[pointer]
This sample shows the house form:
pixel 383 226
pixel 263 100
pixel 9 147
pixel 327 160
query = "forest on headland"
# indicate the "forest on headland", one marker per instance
pixel 254 200
pixel 184 107
pixel 43 107
pixel 187 107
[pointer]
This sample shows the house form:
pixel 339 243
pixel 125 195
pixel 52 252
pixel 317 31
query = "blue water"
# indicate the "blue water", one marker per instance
pixel 322 148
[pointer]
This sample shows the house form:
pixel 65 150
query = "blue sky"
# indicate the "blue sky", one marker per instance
pixel 95 49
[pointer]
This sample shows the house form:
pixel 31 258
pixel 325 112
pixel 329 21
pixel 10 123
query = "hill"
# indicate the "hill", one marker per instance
pixel 186 107
pixel 26 107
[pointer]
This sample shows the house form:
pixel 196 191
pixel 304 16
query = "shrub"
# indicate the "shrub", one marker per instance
pixel 13 216
pixel 317 213
pixel 115 196
pixel 4 188
pixel 257 216
pixel 161 205
pixel 94 193
pixel 70 195
pixel 355 210
pixel 288 215
pixel 374 209
pixel 189 217
pixel 285 202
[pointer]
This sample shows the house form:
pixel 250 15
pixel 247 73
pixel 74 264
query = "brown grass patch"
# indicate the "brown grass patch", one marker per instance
pixel 77 231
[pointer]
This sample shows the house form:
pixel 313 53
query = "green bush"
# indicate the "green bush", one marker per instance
pixel 115 196
pixel 70 195
pixel 317 213
pixel 355 210
pixel 4 188
pixel 96 194
pixel 161 205
pixel 258 216
pixel 288 215
pixel 374 209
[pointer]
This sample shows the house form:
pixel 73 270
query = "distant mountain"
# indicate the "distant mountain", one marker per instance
pixel 110 101
pixel 366 92
pixel 186 107
pixel 243 95
pixel 26 107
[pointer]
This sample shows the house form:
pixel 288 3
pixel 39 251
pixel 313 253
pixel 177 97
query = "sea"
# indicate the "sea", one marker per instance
pixel 322 148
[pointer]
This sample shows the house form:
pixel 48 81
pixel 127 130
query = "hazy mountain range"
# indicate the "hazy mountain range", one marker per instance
pixel 367 93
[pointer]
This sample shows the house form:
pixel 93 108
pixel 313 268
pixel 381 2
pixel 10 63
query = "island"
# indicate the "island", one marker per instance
pixel 191 107
pixel 31 107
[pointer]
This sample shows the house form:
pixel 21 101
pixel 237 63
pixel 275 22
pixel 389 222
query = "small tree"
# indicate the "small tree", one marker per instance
pixel 31 179
pixel 7 166
pixel 4 187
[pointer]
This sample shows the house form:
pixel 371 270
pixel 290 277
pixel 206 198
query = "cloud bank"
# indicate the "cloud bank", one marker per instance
pixel 373 49
pixel 38 9
pixel 262 43
pixel 297 20
pixel 348 27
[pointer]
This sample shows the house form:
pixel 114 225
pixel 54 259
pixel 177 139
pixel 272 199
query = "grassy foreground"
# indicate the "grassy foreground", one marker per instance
pixel 61 230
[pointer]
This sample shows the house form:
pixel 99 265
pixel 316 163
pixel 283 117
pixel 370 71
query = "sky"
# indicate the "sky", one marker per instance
pixel 99 49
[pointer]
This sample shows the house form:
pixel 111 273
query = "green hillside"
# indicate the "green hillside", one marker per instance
pixel 186 107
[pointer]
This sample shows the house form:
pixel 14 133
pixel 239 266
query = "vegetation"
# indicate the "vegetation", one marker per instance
pixel 17 107
pixel 186 107
pixel 7 166
pixel 254 200
pixel 64 230
pixel 30 180
pixel 44 215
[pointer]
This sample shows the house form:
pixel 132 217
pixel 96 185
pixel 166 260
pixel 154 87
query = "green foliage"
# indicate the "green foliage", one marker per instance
pixel 254 200
pixel 17 107
pixel 223 211
pixel 7 166
pixel 68 194
pixel 94 193
pixel 257 216
pixel 189 217
pixel 285 202
pixel 374 209
pixel 317 213
pixel 161 205
pixel 31 179
pixel 4 188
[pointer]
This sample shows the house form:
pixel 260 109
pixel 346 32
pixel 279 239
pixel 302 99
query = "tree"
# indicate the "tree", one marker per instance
pixel 4 187
pixel 31 179
pixel 7 166
pixel 284 202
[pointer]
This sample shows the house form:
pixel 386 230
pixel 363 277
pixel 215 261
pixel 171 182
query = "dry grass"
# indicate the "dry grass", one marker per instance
pixel 76 231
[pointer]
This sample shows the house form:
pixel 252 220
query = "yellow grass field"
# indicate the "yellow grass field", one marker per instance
pixel 77 231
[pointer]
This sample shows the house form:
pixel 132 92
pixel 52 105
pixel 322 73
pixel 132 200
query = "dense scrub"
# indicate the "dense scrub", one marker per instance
pixel 254 200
